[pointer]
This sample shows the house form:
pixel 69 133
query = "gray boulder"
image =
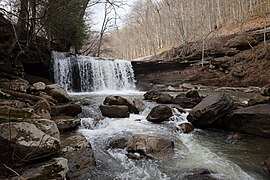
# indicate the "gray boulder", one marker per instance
pixel 159 114
pixel 66 109
pixel 78 151
pixel 114 111
pixel 251 120
pixel 164 98
pixel 151 95
pixel 210 109
pixel 58 93
pixel 24 141
pixel 54 169
pixel 150 146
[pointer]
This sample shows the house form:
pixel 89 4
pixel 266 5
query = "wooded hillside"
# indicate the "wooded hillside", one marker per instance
pixel 154 26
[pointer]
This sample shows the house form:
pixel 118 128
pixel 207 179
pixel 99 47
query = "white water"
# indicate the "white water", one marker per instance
pixel 189 152
pixel 86 74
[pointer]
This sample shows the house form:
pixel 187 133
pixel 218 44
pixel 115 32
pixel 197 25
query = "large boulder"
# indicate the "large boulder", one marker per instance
pixel 53 169
pixel 58 93
pixel 151 95
pixel 118 100
pixel 114 111
pixel 67 123
pixel 47 126
pixel 185 102
pixel 24 141
pixel 80 156
pixel 210 109
pixel 150 146
pixel 139 105
pixel 66 109
pixel 164 98
pixel 159 114
pixel 251 120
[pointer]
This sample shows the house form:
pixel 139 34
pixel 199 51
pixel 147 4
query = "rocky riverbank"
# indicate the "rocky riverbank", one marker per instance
pixel 236 59
pixel 37 135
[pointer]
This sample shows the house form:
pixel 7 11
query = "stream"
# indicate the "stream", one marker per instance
pixel 215 150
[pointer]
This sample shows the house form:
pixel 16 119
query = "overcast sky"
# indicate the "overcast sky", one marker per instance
pixel 99 13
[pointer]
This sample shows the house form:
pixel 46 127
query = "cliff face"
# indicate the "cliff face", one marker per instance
pixel 237 59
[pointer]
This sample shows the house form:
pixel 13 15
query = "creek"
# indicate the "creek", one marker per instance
pixel 225 156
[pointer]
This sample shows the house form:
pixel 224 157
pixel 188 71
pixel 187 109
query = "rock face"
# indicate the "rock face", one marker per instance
pixel 151 146
pixel 18 139
pixel 114 111
pixel 58 93
pixel 54 169
pixel 80 156
pixel 251 120
pixel 210 110
pixel 159 114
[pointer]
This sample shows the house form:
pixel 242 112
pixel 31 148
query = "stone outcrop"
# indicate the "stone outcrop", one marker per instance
pixel 159 114
pixel 150 146
pixel 250 120
pixel 210 109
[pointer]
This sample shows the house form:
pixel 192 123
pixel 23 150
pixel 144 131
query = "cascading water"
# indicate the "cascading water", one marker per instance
pixel 85 74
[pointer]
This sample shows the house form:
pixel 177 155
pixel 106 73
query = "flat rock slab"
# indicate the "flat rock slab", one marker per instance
pixel 210 109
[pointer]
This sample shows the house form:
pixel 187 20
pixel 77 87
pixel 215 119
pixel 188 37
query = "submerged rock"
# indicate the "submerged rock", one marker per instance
pixel 251 120
pixel 114 111
pixel 24 142
pixel 159 114
pixel 150 146
pixel 58 93
pixel 211 109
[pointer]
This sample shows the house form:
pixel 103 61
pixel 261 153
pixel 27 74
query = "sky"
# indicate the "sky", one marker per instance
pixel 99 13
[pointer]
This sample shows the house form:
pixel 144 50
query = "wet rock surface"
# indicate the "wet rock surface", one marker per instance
pixel 210 109
pixel 251 120
pixel 114 111
pixel 150 146
pixel 78 151
pixel 159 114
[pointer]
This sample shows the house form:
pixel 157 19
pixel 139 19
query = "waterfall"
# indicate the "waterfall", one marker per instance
pixel 84 74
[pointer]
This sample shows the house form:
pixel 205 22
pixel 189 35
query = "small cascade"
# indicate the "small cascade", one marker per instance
pixel 85 74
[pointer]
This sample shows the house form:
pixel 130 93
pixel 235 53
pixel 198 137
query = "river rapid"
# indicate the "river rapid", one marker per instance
pixel 223 155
